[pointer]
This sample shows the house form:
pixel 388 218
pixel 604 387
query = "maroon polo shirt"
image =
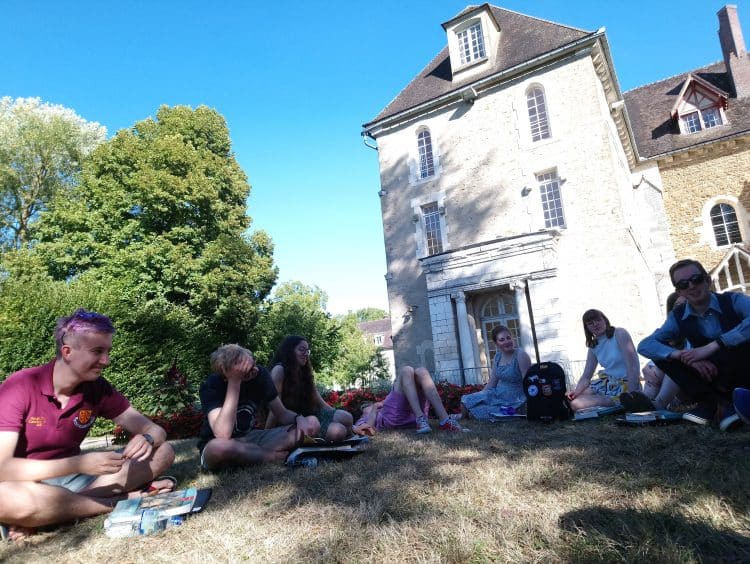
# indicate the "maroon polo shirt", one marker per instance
pixel 45 431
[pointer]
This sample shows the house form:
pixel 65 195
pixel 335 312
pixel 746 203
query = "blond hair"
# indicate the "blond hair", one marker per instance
pixel 225 356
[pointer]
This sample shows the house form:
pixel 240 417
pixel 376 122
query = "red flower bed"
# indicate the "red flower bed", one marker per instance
pixel 352 400
pixel 184 424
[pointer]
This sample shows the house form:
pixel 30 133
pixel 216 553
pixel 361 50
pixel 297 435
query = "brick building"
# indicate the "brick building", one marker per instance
pixel 695 129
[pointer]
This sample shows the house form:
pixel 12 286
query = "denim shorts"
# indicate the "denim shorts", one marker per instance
pixel 72 482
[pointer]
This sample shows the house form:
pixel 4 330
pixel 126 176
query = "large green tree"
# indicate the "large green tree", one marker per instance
pixel 42 147
pixel 156 236
pixel 160 212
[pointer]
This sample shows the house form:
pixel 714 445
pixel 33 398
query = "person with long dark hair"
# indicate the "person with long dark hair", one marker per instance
pixel 292 374
pixel 613 349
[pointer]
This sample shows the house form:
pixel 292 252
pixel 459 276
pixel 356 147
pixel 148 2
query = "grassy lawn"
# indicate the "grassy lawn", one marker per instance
pixel 514 491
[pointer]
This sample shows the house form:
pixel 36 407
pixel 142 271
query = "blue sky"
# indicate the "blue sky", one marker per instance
pixel 295 81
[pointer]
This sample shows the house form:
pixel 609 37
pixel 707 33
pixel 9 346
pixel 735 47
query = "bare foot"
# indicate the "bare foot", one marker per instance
pixel 17 533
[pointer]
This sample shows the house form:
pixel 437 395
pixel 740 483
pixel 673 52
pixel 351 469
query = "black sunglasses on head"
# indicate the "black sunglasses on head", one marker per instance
pixel 695 279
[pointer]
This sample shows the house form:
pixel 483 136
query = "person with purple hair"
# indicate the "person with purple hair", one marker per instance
pixel 46 412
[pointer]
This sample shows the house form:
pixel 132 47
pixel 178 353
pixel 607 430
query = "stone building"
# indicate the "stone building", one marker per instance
pixel 379 333
pixel 510 159
pixel 695 129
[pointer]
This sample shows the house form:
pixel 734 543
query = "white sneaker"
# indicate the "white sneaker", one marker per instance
pixel 423 426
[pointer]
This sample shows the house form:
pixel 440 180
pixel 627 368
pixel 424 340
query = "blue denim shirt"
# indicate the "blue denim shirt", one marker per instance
pixel 654 346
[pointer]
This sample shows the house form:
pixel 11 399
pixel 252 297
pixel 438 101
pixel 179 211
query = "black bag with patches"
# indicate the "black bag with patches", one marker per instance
pixel 545 385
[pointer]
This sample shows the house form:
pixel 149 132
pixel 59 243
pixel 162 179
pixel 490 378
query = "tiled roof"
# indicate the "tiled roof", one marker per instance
pixel 656 133
pixel 522 38
pixel 378 327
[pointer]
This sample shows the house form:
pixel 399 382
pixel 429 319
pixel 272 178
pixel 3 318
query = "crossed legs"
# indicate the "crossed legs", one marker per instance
pixel 256 447
pixel 28 505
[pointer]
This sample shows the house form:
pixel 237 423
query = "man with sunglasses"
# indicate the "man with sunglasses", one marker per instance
pixel 46 412
pixel 717 326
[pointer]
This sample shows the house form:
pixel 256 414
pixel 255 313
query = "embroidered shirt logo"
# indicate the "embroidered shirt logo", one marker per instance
pixel 84 419
pixel 36 421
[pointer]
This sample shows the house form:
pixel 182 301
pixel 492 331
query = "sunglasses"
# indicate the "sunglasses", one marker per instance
pixel 695 279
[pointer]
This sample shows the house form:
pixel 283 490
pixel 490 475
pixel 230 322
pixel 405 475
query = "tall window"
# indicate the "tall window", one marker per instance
pixel 726 227
pixel 432 232
pixel 471 43
pixel 537 114
pixel 426 160
pixel 549 188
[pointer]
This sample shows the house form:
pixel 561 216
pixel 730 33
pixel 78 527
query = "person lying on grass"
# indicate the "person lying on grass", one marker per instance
pixel 230 398
pixel 46 412
pixel 407 405
pixel 292 374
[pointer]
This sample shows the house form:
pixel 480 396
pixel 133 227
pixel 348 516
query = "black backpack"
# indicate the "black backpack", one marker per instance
pixel 545 385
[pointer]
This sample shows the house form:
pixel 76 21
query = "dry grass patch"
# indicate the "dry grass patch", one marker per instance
pixel 516 491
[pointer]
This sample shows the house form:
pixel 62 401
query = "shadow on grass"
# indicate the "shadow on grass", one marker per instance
pixel 405 480
pixel 601 534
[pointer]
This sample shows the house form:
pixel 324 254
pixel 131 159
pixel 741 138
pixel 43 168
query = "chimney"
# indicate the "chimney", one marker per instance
pixel 733 49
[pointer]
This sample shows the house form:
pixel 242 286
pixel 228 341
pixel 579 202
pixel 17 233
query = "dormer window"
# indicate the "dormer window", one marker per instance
pixel 473 38
pixel 699 106
pixel 471 43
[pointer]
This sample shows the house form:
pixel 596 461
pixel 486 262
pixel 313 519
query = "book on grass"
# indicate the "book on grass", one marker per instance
pixel 340 449
pixel 126 516
pixel 597 411
pixel 651 417
pixel 506 414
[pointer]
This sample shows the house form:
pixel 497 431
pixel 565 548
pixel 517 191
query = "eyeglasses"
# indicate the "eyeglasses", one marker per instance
pixel 305 352
pixel 695 279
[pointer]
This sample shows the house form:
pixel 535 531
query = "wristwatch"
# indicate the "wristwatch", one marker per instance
pixel 721 343
pixel 149 439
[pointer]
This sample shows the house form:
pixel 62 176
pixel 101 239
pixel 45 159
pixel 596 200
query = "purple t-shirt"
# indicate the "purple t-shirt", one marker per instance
pixel 45 431
pixel 396 411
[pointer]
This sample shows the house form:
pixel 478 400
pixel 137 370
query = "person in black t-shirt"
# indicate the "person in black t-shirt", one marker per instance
pixel 230 398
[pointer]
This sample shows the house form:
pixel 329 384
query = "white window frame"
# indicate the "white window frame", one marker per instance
pixel 472 46
pixel 696 103
pixel 415 160
pixel 426 164
pixel 709 234
pixel 545 181
pixel 417 207
pixel 541 123
pixel 432 226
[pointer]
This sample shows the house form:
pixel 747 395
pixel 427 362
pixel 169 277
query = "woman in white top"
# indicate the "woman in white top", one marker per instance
pixel 613 349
